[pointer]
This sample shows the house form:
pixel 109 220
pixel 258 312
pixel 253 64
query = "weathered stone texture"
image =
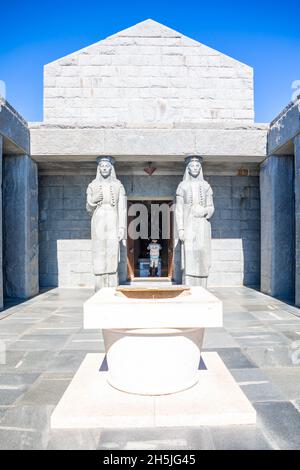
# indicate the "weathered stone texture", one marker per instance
pixel 64 231
pixel 244 144
pixel 284 129
pixel 297 218
pixel 65 250
pixel 235 231
pixel 13 129
pixel 1 248
pixel 20 228
pixel 147 73
pixel 277 226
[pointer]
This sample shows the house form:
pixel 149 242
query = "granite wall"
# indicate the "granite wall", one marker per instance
pixel 64 227
pixel 278 226
pixel 20 226
pixel 1 248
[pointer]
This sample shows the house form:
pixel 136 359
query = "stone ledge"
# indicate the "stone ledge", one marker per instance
pixel 77 144
pixel 204 124
pixel 14 130
pixel 284 129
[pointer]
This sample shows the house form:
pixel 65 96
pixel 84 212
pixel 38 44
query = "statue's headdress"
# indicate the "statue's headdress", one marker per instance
pixel 189 159
pixel 111 160
pixel 105 159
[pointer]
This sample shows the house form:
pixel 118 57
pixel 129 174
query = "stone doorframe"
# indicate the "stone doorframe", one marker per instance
pixel 130 242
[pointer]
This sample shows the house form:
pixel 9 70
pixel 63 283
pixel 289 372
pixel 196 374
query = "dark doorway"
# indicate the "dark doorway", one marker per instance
pixel 159 223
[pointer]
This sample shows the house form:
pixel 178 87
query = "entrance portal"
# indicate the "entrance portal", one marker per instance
pixel 149 220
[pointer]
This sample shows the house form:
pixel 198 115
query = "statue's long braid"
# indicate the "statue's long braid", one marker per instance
pixel 202 196
pixel 112 195
pixel 190 196
pixel 101 194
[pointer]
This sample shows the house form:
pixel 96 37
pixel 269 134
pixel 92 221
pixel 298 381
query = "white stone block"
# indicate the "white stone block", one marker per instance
pixel 231 255
pixel 80 267
pixel 65 82
pixel 64 257
pixel 87 279
pixel 71 71
pixel 227 267
pixel 73 245
pixel 202 60
pixel 228 144
pixel 52 70
pixel 49 81
pixel 173 60
pixel 90 402
pixel 107 310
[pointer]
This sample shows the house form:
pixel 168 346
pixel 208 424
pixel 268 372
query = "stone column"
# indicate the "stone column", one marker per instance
pixel 277 226
pixel 1 260
pixel 20 228
pixel 297 218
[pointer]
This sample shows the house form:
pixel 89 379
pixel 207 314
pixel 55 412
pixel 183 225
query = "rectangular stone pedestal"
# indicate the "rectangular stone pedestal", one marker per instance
pixel 106 310
pixel 90 402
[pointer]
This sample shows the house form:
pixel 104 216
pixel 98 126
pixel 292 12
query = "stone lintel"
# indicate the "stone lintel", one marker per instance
pixel 83 144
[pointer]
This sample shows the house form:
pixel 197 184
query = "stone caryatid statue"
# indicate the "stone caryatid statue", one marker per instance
pixel 106 203
pixel 194 208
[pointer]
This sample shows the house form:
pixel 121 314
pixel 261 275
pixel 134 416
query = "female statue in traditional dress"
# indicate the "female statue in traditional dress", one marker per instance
pixel 106 203
pixel 194 208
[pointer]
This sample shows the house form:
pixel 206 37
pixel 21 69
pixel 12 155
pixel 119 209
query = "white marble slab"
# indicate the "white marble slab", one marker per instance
pixel 90 402
pixel 200 308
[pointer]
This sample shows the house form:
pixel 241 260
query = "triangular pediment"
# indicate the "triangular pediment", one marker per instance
pixel 158 32
pixel 147 75
pixel 149 28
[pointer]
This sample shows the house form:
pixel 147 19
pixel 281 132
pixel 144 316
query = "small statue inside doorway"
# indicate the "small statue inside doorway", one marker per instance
pixel 194 208
pixel 154 249
pixel 106 203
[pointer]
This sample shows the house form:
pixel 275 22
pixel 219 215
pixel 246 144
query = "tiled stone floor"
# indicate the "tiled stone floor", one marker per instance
pixel 45 344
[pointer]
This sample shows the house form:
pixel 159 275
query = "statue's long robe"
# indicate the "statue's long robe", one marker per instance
pixel 196 248
pixel 109 215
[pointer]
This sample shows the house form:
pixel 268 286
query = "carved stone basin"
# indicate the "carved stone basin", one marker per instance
pixel 152 292
pixel 152 336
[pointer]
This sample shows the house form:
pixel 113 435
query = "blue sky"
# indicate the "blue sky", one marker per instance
pixel 264 34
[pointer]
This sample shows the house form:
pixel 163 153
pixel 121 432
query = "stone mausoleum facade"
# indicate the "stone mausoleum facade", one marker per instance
pixel 149 96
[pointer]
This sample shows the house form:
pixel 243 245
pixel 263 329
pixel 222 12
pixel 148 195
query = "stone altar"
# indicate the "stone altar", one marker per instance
pixel 153 339
pixel 153 335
